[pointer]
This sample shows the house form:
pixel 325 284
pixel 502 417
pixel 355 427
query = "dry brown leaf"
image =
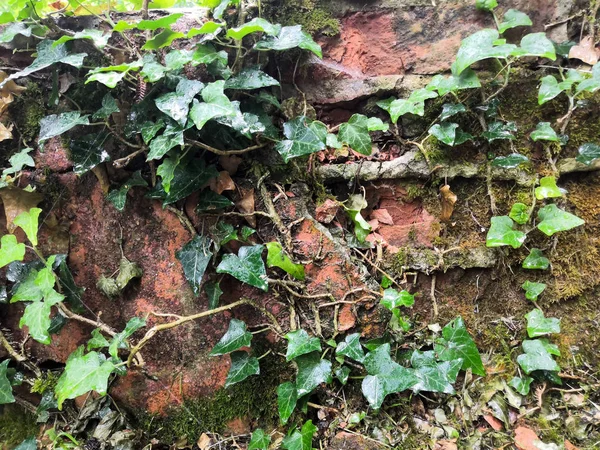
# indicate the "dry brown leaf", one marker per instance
pixel 448 199
pixel 16 201
pixel 5 133
pixel 65 81
pixel 585 51
pixel 204 442
pixel 445 445
pixel 8 91
pixel 246 206
pixel 222 183
pixel 230 163
pixel 525 438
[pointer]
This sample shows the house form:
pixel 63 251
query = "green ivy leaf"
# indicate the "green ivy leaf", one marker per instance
pixel 502 232
pixel 535 44
pixel 216 104
pixel 213 292
pixel 519 213
pixel 6 395
pixel 87 152
pixel 164 39
pixel 434 376
pixel 18 161
pixel 376 124
pixel 392 299
pixel 195 257
pixel 552 219
pixel 152 71
pixel 187 178
pixel 544 132
pixel 176 104
pixel 512 19
pixel 37 319
pixel 445 84
pixel 12 30
pixel 300 343
pixel 10 250
pixel 521 385
pixel 480 46
pixel 211 201
pixel 312 371
pixel 152 25
pixel 303 138
pixel 97 341
pixel 250 78
pixel 177 59
pixel 548 189
pixel 98 38
pixel 451 109
pixel 276 257
pixel 457 343
pixel 235 338
pixel 109 106
pixel 538 356
pixel 108 79
pixel 253 26
pixel 118 197
pixel 486 5
pixel 533 290
pixel 28 222
pixel 171 137
pixel 300 440
pixel 536 260
pixel 83 373
pixel 119 339
pixel 355 134
pixel 208 27
pixel 449 133
pixel 242 366
pixel 549 89
pixel 511 161
pixel 538 325
pixel 342 374
pixel 353 206
pixel 224 232
pixel 288 38
pixel 29 443
pixel 588 153
pixel 247 266
pixel 351 348
pixel 414 104
pixel 500 130
pixel 55 125
pixel 287 397
pixel 259 440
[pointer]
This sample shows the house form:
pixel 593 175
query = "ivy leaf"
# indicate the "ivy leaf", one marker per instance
pixel 521 385
pixel 480 46
pixel 512 19
pixel 216 104
pixel 83 373
pixel 351 348
pixel 500 130
pixel 444 84
pixel 457 343
pixel 10 250
pixel 213 292
pixel 37 319
pixel 276 257
pixel 376 124
pixel 253 26
pixel 538 325
pixel 166 172
pixel 195 257
pixel 118 197
pixel 96 36
pixel 250 78
pixel 176 104
pixel 353 207
pixel 486 5
pixel 164 39
pixel 242 366
pixel 209 27
pixel 290 37
pixel 433 376
pixel 29 443
pixel 87 152
pixel 300 440
pixel 187 178
pixel 451 109
pixel 287 397
pixel 552 219
pixel 355 134
pixel 152 71
pixel 109 106
pixel 97 341
pixel 171 137
pixel 588 153
pixel 108 79
pixel 548 189
pixel 519 213
pixel 11 31
pixel 511 161
pixel 55 125
pixel 73 293
pixel 247 266
pixel 303 138
pixel 300 343
pixel 211 201
pixel 224 232
pixel 119 339
pixel 6 395
pixel 392 299
pixel 259 440
pixel 549 89
pixel 536 260
pixel 533 290
pixel 342 374
pixel 502 232
pixel 18 161
pixel 538 356
pixel 414 104
pixel 544 132
pixel 235 338
pixel 152 25
pixel 449 133
pixel 47 55
pixel 312 371
pixel 28 222
pixel 536 44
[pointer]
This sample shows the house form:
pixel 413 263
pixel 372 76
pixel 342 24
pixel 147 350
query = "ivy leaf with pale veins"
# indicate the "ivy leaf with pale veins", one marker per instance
pixel 480 46
pixel 288 38
pixel 549 89
pixel 176 104
pixel 83 373
pixel 521 385
pixel 87 152
pixel 544 132
pixel 300 343
pixel 6 395
pixel 303 138
pixel 28 221
pixel 118 197
pixel 500 130
pixel 37 319
pixel 502 232
pixel 519 213
pixel 552 219
pixel 300 440
pixel 536 260
pixel 342 374
pixel 216 104
pixel 538 356
pixel 10 250
pixel 119 340
pixel 451 109
pixel 548 189
pixel 449 133
pixel 211 201
pixel 392 299
pixel 57 124
pixel 434 376
pixel 511 161
pixel 235 338
pixel 109 106
pixel 97 341
pixel 287 397
pixel 246 266
pixel 351 347
pixel 533 290
pixel 170 138
pixel 588 153
pixel 188 177
pixel 242 366
pixel 276 257
pixel 195 257
pixel 512 19
pixel 259 440
pixel 213 292
pixel 312 371
pixel 355 134
pixel 250 78
pixel 538 325
pixel 457 343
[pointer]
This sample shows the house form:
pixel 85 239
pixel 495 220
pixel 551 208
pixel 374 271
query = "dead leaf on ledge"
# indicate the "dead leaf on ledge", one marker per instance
pixel 5 133
pixel 246 206
pixel 222 183
pixel 585 51
pixel 204 442
pixel 16 201
pixel 447 200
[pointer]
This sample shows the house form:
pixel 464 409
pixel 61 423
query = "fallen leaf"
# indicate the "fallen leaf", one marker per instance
pixel 448 200
pixel 230 163
pixel 525 438
pixel 246 206
pixel 585 51
pixel 65 81
pixel 204 442
pixel 326 212
pixel 222 183
pixel 346 319
pixel 8 91
pixel 493 422
pixel 16 201
pixel 5 133
pixel 383 216
pixel 445 445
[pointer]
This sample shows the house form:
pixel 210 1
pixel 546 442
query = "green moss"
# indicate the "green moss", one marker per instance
pixel 27 110
pixel 16 425
pixel 315 16
pixel 47 381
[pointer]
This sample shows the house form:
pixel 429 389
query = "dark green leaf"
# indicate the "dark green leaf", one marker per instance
pixel 55 125
pixel 6 395
pixel 533 290
pixel 287 397
pixel 355 134
pixel 119 340
pixel 451 109
pixel 10 250
pixel 552 219
pixel 393 299
pixel 211 201
pixel 242 366
pixel 255 25
pixel 163 39
pixel 500 130
pixel 549 89
pixel 538 325
pixel 187 178
pixel 512 19
pixel 300 440
pixel 519 213
pixel 73 293
pixel 342 374
pixel 588 153
pixel 109 106
pixel 432 375
pixel 250 78
pixel 235 338
pixel 449 133
pixel 312 371
pixel 87 152
pixel 538 356
pixel 457 343
pixel 536 260
pixel 502 232
pixel 259 440
pixel 480 46
pixel 195 257
pixel 300 343
pixel 303 138
pixel 521 385
pixel 223 233
pixel 290 37
pixel 548 189
pixel 511 161
pixel 213 292
pixel 247 266
pixel 28 444
pixel 544 132
pixel 276 257
pixel 118 197
pixel 351 348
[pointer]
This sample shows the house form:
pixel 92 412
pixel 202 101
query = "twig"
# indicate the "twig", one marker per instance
pixel 297 294
pixel 490 192
pixel 560 22
pixel 433 299
pixel 216 151
pixel 379 269
pixel 183 218
pixel 285 232
pixel 18 357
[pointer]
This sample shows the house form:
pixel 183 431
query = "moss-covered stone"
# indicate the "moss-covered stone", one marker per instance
pixel 16 425
pixel 315 16
pixel 27 110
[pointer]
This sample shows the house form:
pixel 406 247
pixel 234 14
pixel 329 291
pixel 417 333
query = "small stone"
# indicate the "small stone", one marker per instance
pixel 326 212
pixel 525 438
